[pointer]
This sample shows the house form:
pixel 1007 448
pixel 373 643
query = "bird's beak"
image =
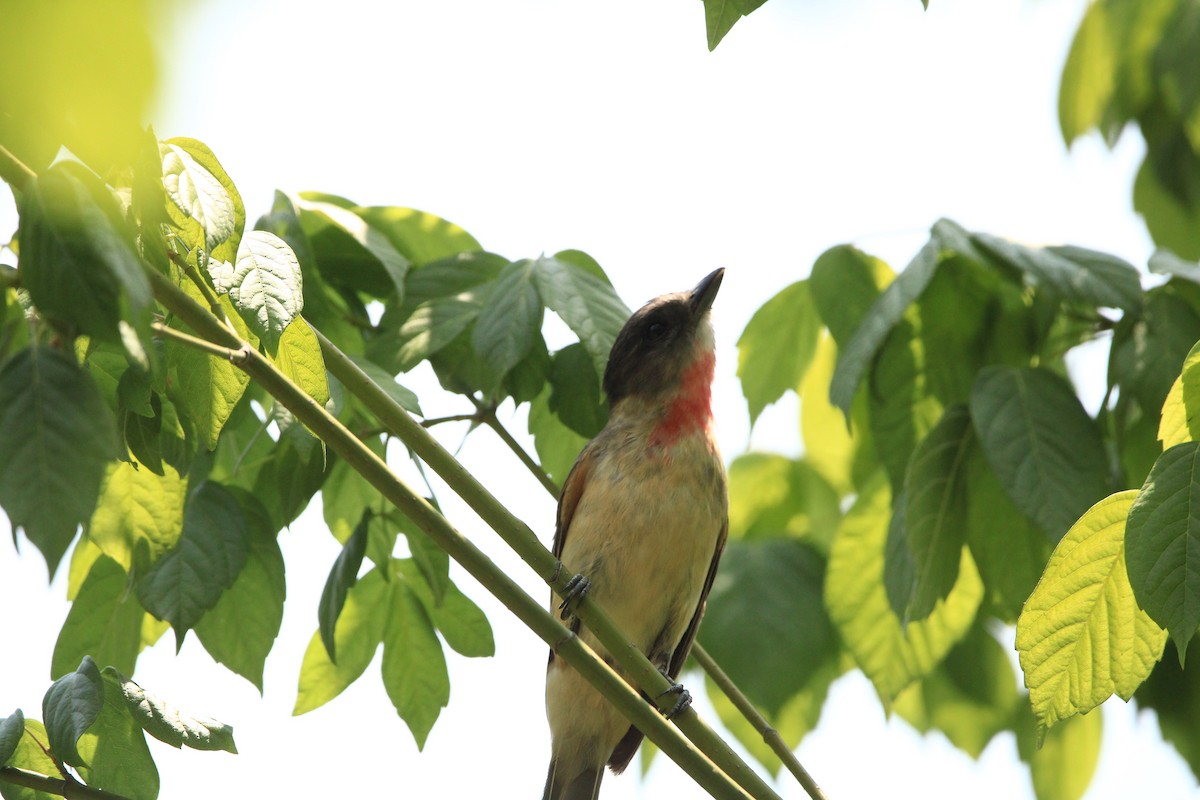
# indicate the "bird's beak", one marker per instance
pixel 705 292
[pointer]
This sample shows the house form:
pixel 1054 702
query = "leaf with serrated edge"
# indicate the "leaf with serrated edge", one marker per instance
pixel 1162 543
pixel 406 398
pixel 1081 636
pixel 777 346
pixel 414 666
pixel 266 286
pixel 358 634
pixel 891 654
pixel 70 706
pixel 118 759
pixel 508 320
pixel 56 435
pixel 169 724
pixel 198 194
pixel 370 238
pixel 300 359
pixel 462 623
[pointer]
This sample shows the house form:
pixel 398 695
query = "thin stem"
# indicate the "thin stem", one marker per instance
pixel 429 423
pixel 518 536
pixel 493 422
pixel 530 611
pixel 770 735
pixel 63 787
pixel 228 354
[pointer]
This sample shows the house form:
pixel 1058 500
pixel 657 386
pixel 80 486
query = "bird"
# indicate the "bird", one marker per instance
pixel 643 517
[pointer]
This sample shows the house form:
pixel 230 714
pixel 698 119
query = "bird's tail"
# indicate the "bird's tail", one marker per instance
pixel 584 785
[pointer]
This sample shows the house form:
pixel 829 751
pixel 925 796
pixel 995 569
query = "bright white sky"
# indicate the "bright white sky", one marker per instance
pixel 608 127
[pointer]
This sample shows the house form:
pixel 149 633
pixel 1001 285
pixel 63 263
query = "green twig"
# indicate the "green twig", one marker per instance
pixel 66 787
pixel 547 626
pixel 238 356
pixel 493 422
pixel 13 170
pixel 518 536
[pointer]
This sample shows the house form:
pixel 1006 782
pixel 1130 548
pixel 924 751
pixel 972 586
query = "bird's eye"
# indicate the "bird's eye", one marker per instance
pixel 656 331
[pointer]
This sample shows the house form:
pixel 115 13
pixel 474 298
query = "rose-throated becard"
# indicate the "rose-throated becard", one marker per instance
pixel 643 517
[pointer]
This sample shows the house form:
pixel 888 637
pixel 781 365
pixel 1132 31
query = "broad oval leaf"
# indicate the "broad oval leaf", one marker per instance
pixel 1045 449
pixel 206 560
pixel 139 515
pixel 575 395
pixel 56 435
pixel 935 515
pixel 777 346
pixel 169 724
pixel 414 666
pixel 105 622
pixel 265 285
pixel 891 654
pixel 1180 421
pixel 1162 543
pixel 300 359
pixel 12 728
pixel 70 706
pixel 1081 637
pixel 844 284
pixel 420 237
pixel 118 760
pixel 361 256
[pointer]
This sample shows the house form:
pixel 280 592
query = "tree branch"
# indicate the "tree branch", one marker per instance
pixel 13 170
pixel 531 612
pixel 64 787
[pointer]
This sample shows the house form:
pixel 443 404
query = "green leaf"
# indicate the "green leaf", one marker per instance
pixel 557 445
pixel 420 237
pixel 300 359
pixel 139 516
pixel 205 388
pixel 346 496
pixel 115 749
pixel 1162 544
pixel 210 553
pixel 433 325
pixel 432 561
pixel 168 723
pixel 241 628
pixel 589 305
pixel 1009 550
pixel 1171 223
pixel 935 516
pixel 1045 449
pixel 447 277
pixel 1074 273
pixel 264 284
pixel 359 631
pixel 1082 637
pixel 845 282
pixel 885 312
pixel 350 251
pixel 1173 694
pixel 1147 350
pixel 414 667
pixel 1180 420
pixel 70 706
pixel 575 396
pixel 56 434
pixel 765 623
pixel 105 622
pixel 405 398
pixel 205 205
pixel 771 495
pixel 721 15
pixel 777 346
pixel 1062 768
pixel 12 728
pixel 1089 76
pixel 31 755
pixel 77 260
pixel 509 319
pixel 342 578
pixel 842 455
pixel 892 655
pixel 462 623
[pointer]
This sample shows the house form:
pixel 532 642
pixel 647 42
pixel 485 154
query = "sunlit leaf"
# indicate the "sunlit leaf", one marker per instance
pixel 414 666
pixel 168 723
pixel 105 622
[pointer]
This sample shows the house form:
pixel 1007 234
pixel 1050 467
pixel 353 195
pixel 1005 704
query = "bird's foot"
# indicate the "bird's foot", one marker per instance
pixel 573 592
pixel 683 698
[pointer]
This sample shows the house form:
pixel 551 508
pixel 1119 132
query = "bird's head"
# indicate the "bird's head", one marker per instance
pixel 665 348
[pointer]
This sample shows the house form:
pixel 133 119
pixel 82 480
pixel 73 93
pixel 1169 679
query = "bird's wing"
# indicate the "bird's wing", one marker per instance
pixel 568 499
pixel 685 644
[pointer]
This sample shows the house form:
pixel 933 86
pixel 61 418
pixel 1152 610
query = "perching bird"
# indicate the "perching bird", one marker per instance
pixel 643 517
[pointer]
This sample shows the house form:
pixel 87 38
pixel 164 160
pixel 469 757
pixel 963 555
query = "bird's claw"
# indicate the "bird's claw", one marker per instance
pixel 573 592
pixel 682 701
